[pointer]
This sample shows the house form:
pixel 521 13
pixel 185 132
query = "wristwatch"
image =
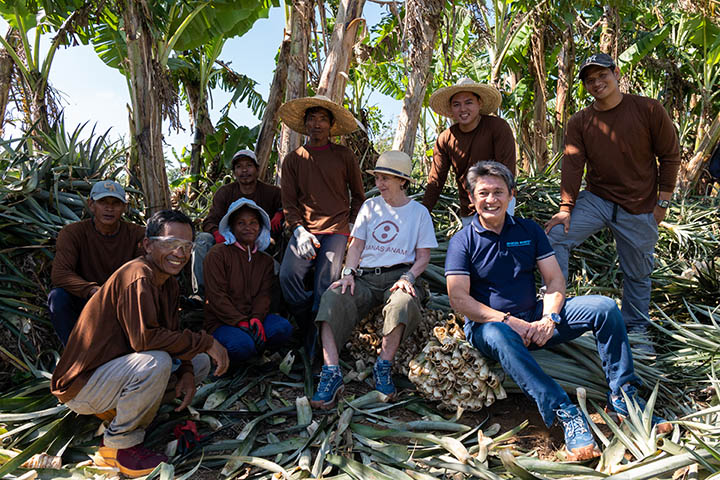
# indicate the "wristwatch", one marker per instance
pixel 553 316
pixel 663 203
pixel 348 271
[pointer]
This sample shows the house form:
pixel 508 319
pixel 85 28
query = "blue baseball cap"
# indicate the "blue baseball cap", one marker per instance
pixel 108 188
pixel 598 60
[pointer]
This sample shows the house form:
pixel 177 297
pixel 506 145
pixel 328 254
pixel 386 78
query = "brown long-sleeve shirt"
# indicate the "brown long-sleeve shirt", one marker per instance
pixel 619 147
pixel 236 288
pixel 84 258
pixel 128 314
pixel 492 139
pixel 321 188
pixel 266 196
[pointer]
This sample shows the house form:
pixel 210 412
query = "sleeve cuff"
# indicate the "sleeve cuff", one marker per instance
pixel 456 272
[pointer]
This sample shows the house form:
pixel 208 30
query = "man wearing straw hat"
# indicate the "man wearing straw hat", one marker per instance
pixel 476 135
pixel 630 148
pixel 322 192
pixel 390 247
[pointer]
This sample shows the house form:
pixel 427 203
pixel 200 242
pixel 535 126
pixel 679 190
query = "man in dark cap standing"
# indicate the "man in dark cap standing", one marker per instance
pixel 630 149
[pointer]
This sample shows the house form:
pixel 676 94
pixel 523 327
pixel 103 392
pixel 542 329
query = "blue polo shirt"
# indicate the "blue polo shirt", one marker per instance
pixel 501 267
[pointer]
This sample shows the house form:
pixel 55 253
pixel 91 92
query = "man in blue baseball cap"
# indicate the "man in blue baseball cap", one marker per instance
pixel 88 252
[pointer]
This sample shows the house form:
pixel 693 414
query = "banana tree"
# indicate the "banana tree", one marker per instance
pixel 138 38
pixel 28 22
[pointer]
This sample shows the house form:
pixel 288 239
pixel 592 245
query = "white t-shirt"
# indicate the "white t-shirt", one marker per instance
pixel 392 234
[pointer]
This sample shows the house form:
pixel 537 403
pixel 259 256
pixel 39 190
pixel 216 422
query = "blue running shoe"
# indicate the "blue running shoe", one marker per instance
pixel 618 405
pixel 330 387
pixel 579 442
pixel 382 371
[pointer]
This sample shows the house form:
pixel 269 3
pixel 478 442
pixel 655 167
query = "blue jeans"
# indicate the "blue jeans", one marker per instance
pixel 327 262
pixel 579 314
pixel 240 345
pixel 635 239
pixel 65 310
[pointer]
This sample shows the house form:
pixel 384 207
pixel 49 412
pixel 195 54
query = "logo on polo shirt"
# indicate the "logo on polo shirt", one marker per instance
pixel 524 243
pixel 386 232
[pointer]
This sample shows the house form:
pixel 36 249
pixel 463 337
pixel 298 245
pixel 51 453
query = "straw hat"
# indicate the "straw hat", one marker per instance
pixel 490 97
pixel 394 162
pixel 292 114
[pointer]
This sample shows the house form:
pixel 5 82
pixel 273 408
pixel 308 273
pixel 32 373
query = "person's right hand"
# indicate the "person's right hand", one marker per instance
pixel 557 219
pixel 218 353
pixel 522 328
pixel 306 242
pixel 348 281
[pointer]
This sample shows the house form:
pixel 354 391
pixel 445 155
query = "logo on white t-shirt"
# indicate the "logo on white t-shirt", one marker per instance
pixel 385 232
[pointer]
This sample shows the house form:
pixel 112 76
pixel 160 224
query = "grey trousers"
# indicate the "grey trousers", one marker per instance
pixel 203 243
pixel 635 238
pixel 133 385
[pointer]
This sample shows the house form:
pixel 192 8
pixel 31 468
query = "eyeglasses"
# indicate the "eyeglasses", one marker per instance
pixel 172 243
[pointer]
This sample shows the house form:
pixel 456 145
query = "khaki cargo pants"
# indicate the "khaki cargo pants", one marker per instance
pixel 343 311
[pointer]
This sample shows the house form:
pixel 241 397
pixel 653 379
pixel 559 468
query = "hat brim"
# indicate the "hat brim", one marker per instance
pixel 393 172
pixel 593 64
pixel 98 196
pixel 292 114
pixel 490 98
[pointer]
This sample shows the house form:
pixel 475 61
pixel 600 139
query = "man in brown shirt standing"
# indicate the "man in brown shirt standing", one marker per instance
pixel 120 355
pixel 476 135
pixel 88 252
pixel 630 149
pixel 322 192
pixel 245 167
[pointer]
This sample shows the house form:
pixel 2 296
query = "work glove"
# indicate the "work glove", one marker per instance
pixel 218 236
pixel 306 242
pixel 187 436
pixel 255 329
pixel 276 222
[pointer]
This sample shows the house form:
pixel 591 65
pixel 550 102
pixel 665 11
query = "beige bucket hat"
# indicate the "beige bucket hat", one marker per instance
pixel 394 162
pixel 292 113
pixel 490 97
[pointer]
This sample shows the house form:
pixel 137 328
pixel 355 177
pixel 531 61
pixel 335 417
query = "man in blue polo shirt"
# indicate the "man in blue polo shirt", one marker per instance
pixel 490 269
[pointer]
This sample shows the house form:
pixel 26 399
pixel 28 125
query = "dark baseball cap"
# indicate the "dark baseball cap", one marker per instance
pixel 596 59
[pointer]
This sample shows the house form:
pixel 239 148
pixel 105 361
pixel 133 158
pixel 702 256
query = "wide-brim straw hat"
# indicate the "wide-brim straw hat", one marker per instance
pixel 292 114
pixel 490 97
pixel 394 162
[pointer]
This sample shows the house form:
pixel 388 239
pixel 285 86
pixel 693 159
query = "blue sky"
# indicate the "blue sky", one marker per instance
pixel 93 92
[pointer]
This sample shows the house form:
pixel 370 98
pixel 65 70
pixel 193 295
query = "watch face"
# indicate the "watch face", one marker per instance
pixel 347 271
pixel 555 317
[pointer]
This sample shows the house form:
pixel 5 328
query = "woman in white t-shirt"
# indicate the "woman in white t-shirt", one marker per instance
pixel 390 248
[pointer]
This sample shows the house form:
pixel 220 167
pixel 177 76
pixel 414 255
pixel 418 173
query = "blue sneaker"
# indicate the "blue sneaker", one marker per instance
pixel 579 442
pixel 331 385
pixel 618 405
pixel 382 371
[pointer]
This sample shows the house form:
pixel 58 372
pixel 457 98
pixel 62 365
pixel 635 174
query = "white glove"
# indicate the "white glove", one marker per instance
pixel 306 242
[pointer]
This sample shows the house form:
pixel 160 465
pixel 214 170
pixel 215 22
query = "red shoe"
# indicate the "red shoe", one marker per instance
pixel 134 461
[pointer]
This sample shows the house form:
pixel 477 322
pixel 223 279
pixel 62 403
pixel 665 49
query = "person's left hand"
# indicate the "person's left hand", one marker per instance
pixel 540 332
pixel 659 214
pixel 404 285
pixel 276 222
pixel 185 387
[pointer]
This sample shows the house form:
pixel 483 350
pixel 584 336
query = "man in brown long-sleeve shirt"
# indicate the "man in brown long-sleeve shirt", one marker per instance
pixel 88 252
pixel 630 149
pixel 475 136
pixel 120 354
pixel 245 167
pixel 322 192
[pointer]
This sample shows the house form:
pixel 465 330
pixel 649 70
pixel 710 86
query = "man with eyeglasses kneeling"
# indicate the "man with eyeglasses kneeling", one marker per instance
pixel 122 352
